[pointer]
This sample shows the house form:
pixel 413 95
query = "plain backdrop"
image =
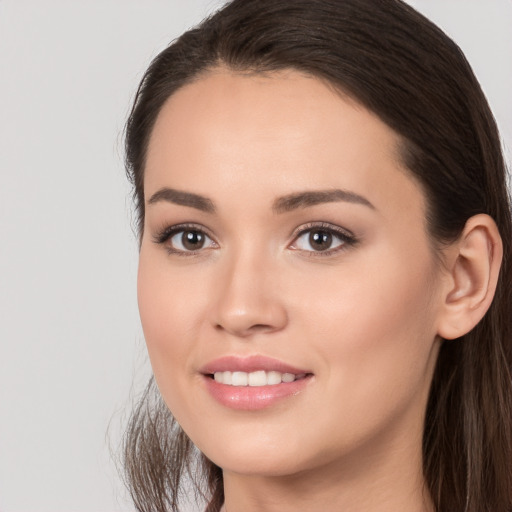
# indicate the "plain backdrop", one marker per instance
pixel 72 354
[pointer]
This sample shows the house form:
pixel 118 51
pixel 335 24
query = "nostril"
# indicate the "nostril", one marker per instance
pixel 260 327
pixel 246 330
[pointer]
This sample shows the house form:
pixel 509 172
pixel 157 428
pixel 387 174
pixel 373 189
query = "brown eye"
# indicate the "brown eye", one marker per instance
pixel 320 240
pixel 192 240
pixel 188 240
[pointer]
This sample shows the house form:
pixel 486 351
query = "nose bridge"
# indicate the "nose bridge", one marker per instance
pixel 248 299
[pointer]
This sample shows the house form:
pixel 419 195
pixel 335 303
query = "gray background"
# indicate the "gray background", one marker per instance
pixel 71 350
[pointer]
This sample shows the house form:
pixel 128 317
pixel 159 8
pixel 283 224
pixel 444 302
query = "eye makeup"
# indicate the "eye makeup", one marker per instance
pixel 313 239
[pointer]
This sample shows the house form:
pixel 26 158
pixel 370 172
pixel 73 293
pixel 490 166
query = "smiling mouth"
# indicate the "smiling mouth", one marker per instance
pixel 256 378
pixel 253 383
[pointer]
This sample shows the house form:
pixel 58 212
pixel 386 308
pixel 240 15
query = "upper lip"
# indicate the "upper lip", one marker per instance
pixel 249 364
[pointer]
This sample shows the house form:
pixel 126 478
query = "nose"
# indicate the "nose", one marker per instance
pixel 248 299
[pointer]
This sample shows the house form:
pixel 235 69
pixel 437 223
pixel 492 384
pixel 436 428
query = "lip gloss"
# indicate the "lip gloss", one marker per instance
pixel 250 397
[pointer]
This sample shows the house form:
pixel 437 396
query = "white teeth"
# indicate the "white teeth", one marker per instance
pixel 240 379
pixel 273 378
pixel 223 377
pixel 258 378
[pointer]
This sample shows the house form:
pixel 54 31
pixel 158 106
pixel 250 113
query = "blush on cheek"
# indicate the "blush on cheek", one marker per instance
pixel 384 326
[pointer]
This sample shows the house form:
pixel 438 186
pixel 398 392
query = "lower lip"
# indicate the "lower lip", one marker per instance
pixel 253 398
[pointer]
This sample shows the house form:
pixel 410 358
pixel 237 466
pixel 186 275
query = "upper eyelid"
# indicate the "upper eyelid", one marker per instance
pixel 166 232
pixel 304 228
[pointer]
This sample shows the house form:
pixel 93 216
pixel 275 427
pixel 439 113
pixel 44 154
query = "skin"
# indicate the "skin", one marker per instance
pixel 362 318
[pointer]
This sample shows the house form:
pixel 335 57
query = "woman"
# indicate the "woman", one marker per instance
pixel 325 247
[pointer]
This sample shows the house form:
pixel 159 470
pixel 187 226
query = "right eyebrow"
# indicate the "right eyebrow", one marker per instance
pixel 181 198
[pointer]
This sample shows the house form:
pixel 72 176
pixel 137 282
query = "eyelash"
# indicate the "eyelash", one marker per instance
pixel 167 233
pixel 346 238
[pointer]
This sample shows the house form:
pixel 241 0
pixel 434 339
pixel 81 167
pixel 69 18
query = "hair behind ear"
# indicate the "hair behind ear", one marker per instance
pixel 469 412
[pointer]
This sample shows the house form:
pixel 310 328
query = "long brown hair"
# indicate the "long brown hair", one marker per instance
pixel 408 72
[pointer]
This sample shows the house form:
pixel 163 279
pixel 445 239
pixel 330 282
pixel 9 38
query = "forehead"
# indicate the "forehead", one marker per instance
pixel 275 134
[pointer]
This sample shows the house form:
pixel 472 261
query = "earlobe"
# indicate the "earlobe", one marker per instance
pixel 473 269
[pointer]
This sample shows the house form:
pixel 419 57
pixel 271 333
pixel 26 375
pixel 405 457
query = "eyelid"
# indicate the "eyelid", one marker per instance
pixel 343 234
pixel 163 235
pixel 346 236
pixel 322 225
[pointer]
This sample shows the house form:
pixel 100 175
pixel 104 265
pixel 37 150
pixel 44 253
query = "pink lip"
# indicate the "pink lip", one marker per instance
pixel 250 398
pixel 249 364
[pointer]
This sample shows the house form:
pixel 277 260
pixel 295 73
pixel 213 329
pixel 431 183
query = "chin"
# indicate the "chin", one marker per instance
pixel 260 464
pixel 251 453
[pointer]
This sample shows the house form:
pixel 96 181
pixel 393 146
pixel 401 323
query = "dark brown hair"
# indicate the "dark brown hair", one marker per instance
pixel 410 74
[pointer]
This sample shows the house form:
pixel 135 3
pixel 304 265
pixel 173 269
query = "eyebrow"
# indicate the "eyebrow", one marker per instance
pixel 282 204
pixel 311 198
pixel 183 199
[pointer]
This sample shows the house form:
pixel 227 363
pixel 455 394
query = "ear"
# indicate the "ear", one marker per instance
pixel 473 264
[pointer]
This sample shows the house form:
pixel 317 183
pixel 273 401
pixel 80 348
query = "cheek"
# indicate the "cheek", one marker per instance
pixel 170 306
pixel 373 328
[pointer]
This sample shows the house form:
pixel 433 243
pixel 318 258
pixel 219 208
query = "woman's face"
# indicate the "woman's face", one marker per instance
pixel 285 247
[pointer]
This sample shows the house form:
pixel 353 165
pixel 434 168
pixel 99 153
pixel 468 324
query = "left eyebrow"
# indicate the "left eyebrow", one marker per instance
pixel 311 198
